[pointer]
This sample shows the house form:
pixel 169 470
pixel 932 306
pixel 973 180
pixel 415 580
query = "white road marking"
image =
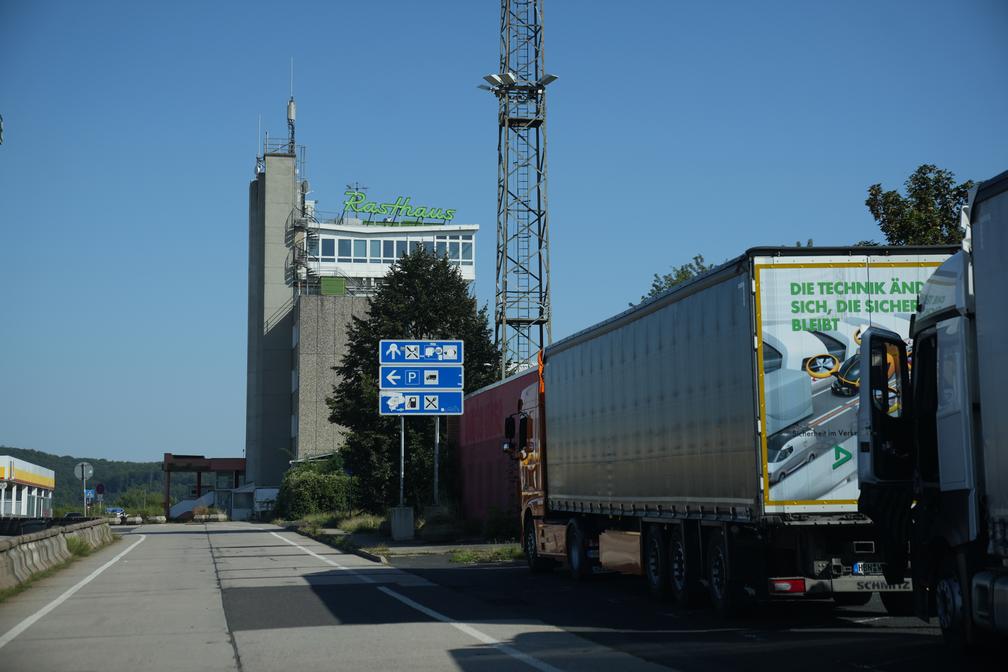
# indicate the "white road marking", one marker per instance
pixel 333 563
pixel 472 632
pixel 463 627
pixel 34 618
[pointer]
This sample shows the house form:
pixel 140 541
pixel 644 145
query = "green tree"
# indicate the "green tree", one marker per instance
pixel 423 297
pixel 679 275
pixel 927 215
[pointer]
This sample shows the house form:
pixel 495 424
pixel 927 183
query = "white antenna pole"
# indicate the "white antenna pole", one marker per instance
pixel 292 77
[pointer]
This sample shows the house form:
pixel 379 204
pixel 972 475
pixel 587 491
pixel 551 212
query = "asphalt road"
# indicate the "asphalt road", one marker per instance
pixel 615 611
pixel 231 596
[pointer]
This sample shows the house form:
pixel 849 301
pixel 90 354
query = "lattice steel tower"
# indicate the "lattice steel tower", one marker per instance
pixel 522 312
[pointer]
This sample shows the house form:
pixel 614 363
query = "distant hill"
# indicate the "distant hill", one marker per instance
pixel 117 476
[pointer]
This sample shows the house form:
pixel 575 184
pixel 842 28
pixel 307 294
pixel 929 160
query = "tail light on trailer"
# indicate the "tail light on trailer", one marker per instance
pixel 787 586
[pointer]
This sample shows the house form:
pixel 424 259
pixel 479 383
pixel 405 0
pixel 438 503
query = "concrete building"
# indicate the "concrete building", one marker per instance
pixel 309 273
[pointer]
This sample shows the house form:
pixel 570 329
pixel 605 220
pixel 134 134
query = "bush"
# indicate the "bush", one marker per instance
pixel 305 491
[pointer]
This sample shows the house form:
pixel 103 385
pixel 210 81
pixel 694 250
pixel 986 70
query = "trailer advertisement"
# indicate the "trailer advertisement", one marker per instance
pixel 809 318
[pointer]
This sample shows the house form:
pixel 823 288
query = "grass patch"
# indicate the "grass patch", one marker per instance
pixel 362 523
pixel 78 549
pixel 473 556
pixel 351 522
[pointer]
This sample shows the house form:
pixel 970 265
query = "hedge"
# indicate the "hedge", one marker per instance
pixel 306 491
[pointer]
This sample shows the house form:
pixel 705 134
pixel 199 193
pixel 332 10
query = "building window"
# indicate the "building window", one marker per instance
pixel 376 250
pixel 388 250
pixel 313 247
pixel 414 245
pixel 328 249
pixel 400 248
pixel 467 254
pixel 360 251
pixel 344 249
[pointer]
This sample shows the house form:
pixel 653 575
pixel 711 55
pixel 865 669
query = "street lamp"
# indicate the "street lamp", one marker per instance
pixel 545 79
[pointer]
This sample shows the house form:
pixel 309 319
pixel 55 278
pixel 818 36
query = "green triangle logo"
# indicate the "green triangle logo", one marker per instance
pixel 841 456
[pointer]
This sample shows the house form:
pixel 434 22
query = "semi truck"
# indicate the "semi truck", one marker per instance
pixel 696 439
pixel 933 433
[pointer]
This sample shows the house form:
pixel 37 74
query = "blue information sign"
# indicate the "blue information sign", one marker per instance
pixel 420 402
pixel 430 377
pixel 420 352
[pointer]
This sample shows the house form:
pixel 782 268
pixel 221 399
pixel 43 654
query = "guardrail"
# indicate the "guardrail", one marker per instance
pixel 28 554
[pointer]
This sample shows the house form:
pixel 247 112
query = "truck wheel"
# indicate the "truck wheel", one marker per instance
pixel 577 551
pixel 956 625
pixel 721 589
pixel 656 562
pixel 898 604
pixel 852 599
pixel 682 573
pixel 531 548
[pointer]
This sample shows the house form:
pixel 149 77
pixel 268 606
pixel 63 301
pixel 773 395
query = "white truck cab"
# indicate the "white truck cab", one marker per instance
pixel 932 432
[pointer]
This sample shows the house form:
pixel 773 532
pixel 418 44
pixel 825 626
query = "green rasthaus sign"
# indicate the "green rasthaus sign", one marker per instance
pixel 357 202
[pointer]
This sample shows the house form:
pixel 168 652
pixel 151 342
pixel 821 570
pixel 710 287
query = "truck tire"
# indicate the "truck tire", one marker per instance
pixel 898 603
pixel 954 618
pixel 723 592
pixel 656 561
pixel 531 547
pixel 852 599
pixel 577 551
pixel 683 583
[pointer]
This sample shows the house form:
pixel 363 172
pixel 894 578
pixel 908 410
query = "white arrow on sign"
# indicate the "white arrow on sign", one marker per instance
pixel 392 377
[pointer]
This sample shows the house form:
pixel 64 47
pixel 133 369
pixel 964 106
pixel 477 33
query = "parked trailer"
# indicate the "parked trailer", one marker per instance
pixel 934 462
pixel 489 477
pixel 697 439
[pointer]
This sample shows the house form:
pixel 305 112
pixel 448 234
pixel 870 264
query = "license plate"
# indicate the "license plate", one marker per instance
pixel 867 568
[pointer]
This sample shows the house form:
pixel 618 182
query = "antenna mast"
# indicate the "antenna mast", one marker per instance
pixel 291 112
pixel 522 315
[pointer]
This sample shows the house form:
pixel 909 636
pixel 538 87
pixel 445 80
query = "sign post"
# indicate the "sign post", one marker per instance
pixel 84 471
pixel 437 449
pixel 419 377
pixel 402 456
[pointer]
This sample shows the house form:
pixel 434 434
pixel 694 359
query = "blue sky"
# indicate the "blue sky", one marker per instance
pixel 675 128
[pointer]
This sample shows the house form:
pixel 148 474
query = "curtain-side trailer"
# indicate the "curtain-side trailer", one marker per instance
pixel 706 438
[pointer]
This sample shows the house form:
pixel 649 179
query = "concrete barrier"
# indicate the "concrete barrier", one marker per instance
pixel 155 520
pixel 21 557
pixel 211 518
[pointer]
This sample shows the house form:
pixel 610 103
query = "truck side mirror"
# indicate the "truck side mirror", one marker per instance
pixel 885 435
pixel 522 433
pixel 509 428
